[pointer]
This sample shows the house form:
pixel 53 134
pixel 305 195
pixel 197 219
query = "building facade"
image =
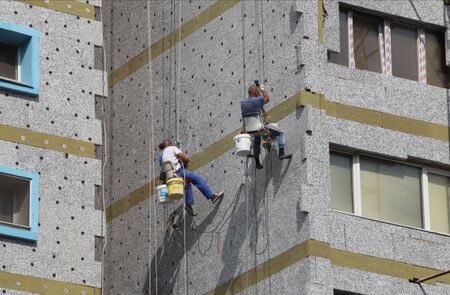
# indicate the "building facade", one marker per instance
pixel 51 219
pixel 359 86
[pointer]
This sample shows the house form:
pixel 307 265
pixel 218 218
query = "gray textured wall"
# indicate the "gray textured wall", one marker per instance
pixel 284 204
pixel 68 221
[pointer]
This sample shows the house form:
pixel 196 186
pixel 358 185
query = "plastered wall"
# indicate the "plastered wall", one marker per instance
pixel 204 77
pixel 69 220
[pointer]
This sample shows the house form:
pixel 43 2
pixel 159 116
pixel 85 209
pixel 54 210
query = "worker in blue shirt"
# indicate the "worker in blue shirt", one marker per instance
pixel 253 107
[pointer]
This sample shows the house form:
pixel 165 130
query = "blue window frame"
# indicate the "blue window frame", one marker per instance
pixel 27 42
pixel 19 203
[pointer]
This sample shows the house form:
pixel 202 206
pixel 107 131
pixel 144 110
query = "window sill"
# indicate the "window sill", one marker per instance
pixel 17 86
pixel 393 223
pixel 19 83
pixel 14 225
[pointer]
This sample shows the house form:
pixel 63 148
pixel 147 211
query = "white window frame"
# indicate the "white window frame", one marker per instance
pixel 19 67
pixel 424 188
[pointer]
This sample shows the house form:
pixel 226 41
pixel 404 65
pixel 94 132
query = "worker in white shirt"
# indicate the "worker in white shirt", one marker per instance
pixel 180 161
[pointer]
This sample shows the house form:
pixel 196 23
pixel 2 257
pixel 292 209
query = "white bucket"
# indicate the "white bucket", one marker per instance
pixel 243 144
pixel 163 194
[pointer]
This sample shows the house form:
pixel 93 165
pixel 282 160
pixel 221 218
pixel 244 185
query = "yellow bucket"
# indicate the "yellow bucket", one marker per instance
pixel 175 186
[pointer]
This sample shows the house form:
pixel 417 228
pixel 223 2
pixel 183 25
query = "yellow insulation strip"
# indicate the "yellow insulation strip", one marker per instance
pixel 337 257
pixel 65 6
pixel 187 29
pixel 320 20
pixel 37 285
pixel 129 201
pixel 301 98
pixel 47 141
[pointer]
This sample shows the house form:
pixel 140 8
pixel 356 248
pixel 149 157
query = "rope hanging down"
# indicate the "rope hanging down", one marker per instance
pixel 259 19
pixel 152 161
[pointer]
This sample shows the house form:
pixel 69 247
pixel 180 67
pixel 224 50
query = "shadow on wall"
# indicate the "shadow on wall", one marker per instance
pixel 244 222
pixel 169 256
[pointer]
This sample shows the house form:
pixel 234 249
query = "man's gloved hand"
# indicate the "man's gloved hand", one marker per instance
pixel 261 87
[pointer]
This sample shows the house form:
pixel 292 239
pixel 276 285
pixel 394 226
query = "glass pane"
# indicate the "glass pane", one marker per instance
pixel 390 191
pixel 8 61
pixel 14 200
pixel 404 52
pixel 22 204
pixel 438 190
pixel 366 44
pixel 437 71
pixel 341 182
pixel 341 57
pixel 6 205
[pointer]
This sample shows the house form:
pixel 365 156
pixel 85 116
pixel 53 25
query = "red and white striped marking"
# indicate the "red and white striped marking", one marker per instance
pixel 422 56
pixel 387 48
pixel 351 49
pixel 381 44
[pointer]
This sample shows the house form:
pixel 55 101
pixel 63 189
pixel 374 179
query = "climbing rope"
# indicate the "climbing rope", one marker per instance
pixel 217 229
pixel 267 213
pixel 259 19
pixel 104 159
pixel 152 172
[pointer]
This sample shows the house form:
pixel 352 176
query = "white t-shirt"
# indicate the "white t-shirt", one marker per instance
pixel 170 154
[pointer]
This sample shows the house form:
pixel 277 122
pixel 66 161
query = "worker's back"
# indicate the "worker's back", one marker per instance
pixel 252 106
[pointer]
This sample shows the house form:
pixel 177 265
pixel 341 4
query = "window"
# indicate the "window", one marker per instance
pixel 437 71
pixel 386 46
pixel 438 191
pixel 341 181
pixel 365 44
pixel 18 203
pixel 19 59
pixel 390 191
pixel 9 61
pixel 404 52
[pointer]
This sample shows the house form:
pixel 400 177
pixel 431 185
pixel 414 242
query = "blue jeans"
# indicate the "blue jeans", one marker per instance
pixel 278 133
pixel 198 181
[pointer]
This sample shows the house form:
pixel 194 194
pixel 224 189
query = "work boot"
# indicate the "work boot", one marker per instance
pixel 282 155
pixel 190 210
pixel 216 197
pixel 258 163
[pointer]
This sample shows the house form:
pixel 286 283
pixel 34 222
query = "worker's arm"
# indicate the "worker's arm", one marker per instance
pixel 265 95
pixel 184 158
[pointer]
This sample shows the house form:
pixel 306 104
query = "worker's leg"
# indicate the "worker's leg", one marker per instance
pixel 189 194
pixel 256 145
pixel 200 183
pixel 257 150
pixel 276 131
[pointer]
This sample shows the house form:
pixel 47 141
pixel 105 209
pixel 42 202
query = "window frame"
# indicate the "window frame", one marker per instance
pixel 16 230
pixel 385 44
pixel 28 64
pixel 424 188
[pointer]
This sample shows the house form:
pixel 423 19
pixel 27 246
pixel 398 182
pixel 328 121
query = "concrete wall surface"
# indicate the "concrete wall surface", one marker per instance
pixel 257 240
pixel 69 219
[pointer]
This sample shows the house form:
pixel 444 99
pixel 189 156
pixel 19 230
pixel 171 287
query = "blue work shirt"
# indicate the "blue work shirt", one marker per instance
pixel 252 106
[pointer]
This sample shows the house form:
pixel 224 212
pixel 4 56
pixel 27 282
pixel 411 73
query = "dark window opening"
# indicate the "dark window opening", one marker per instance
pixel 8 61
pixel 404 52
pixel 340 292
pixel 437 70
pixel 366 43
pixel 14 200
